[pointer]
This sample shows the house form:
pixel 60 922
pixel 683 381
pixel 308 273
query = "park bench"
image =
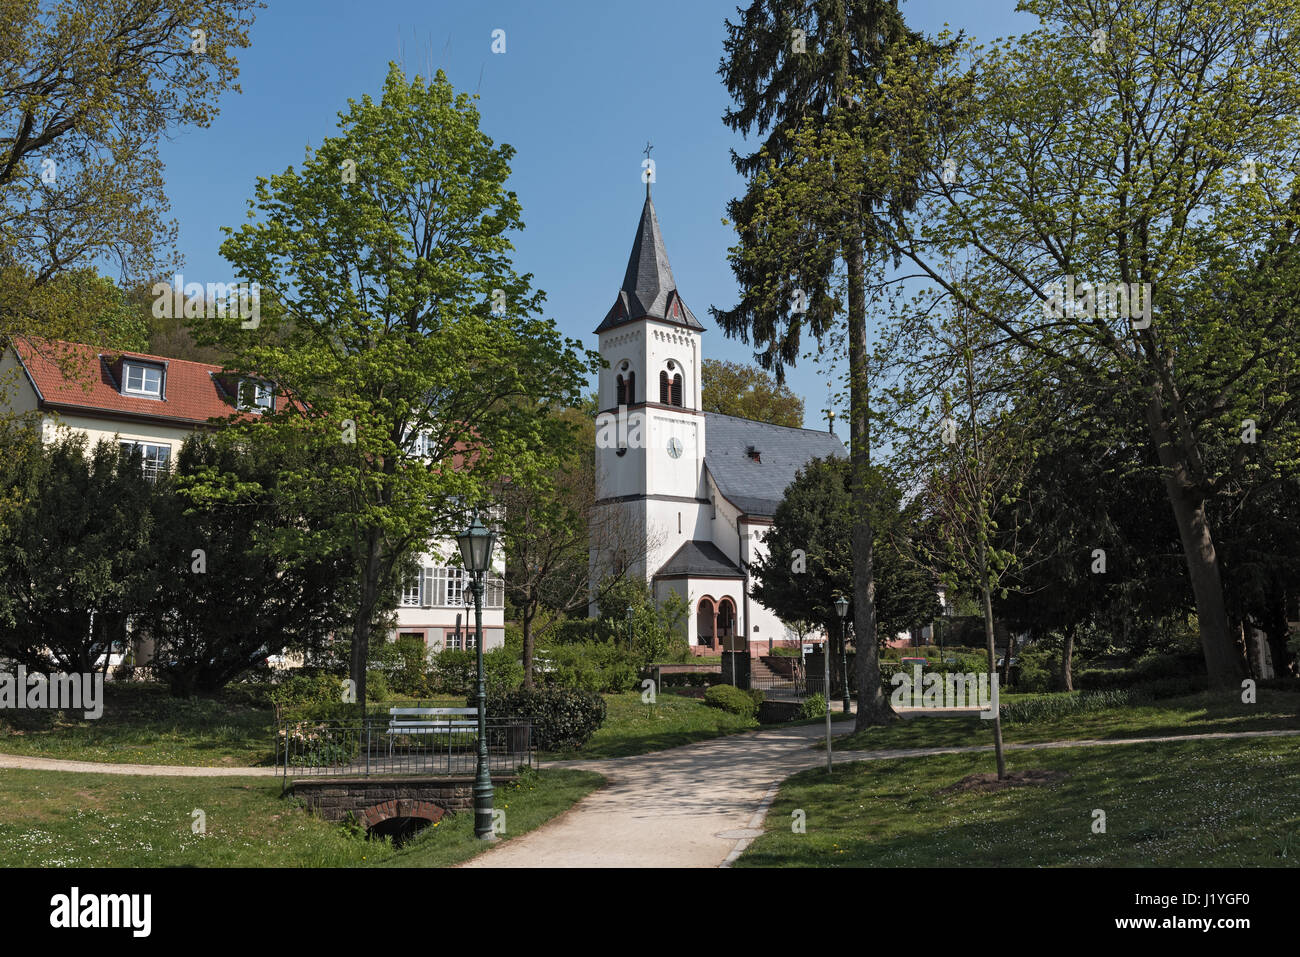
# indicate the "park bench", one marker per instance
pixel 427 721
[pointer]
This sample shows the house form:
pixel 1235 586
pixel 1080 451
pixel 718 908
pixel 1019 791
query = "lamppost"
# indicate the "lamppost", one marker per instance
pixel 476 552
pixel 842 606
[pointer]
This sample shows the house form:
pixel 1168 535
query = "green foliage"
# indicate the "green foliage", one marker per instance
pixel 809 556
pixel 455 671
pixel 607 667
pixel 746 391
pixel 304 689
pixel 377 682
pixel 814 706
pixel 406 664
pixel 92 89
pixel 1054 706
pixel 731 699
pixel 379 307
pixel 563 718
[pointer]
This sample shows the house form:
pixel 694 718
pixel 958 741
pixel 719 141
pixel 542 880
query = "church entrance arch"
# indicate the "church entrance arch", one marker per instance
pixel 726 620
pixel 706 622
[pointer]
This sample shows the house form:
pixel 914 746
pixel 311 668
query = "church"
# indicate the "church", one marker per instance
pixel 698 489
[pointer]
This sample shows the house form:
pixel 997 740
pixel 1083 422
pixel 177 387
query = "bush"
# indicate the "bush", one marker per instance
pixel 731 699
pixel 305 689
pixel 376 686
pixel 780 651
pixel 814 706
pixel 757 695
pixel 603 667
pixel 563 718
pixel 1053 706
pixel 502 670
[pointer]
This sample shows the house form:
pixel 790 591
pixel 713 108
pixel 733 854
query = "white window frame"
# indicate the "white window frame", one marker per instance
pixel 263 395
pixel 143 368
pixel 149 463
pixel 411 592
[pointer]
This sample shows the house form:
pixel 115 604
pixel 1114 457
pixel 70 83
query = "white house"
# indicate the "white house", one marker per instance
pixel 156 402
pixel 701 487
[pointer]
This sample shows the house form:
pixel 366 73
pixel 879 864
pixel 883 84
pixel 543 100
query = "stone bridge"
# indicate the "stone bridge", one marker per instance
pixel 376 800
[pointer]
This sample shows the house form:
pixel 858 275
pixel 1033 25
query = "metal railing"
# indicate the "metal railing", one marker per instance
pixel 362 747
pixel 796 685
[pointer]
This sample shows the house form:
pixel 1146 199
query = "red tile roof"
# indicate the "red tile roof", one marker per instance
pixel 74 377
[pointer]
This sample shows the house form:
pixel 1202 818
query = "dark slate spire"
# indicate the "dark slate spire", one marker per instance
pixel 648 287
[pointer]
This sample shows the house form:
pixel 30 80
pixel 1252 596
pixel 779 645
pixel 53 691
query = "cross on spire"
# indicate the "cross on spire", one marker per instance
pixel 648 147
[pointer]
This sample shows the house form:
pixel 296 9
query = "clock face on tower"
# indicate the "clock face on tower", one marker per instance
pixel 675 447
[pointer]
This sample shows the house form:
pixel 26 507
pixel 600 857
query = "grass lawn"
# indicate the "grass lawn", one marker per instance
pixel 1194 804
pixel 634 728
pixel 55 819
pixel 143 724
pixel 1191 714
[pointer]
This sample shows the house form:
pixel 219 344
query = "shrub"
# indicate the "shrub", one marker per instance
pixel 502 670
pixel 1053 706
pixel 305 689
pixel 405 663
pixel 757 695
pixel 814 706
pixel 782 652
pixel 731 699
pixel 376 686
pixel 563 718
pixel 603 667
pixel 452 671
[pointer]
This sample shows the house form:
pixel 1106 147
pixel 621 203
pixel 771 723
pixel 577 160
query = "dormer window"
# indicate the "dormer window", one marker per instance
pixel 142 379
pixel 255 396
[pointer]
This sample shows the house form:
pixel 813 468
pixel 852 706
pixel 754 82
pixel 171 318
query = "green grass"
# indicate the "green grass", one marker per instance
pixel 634 728
pixel 1190 714
pixel 1193 804
pixel 57 819
pixel 142 724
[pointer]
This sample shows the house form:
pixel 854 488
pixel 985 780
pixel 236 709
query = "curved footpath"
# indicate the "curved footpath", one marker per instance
pixel 701 805
pixel 695 806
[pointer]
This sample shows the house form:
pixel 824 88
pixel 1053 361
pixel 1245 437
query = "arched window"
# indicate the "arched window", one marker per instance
pixel 620 396
pixel 663 388
pixel 631 388
pixel 677 390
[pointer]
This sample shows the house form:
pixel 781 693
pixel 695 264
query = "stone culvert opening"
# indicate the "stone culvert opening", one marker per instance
pixel 400 819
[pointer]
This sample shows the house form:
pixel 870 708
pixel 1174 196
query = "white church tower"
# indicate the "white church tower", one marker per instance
pixel 650 442
pixel 686 511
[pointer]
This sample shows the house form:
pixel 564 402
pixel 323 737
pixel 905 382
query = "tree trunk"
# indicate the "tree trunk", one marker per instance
pixel 526 620
pixel 1222 663
pixel 988 637
pixel 1067 660
pixel 370 575
pixel 873 706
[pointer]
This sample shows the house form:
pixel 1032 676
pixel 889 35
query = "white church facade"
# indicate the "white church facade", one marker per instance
pixel 700 488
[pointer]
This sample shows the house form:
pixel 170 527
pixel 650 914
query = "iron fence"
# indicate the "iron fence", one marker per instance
pixel 797 686
pixel 369 746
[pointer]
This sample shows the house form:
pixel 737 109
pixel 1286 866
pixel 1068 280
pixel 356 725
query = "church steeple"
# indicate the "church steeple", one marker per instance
pixel 649 290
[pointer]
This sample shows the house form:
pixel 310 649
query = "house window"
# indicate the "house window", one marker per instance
pixel 455 587
pixel 254 396
pixel 631 388
pixel 620 393
pixel 663 388
pixel 419 445
pixel 677 390
pixel 411 592
pixel 154 459
pixel 139 379
pixel 464 639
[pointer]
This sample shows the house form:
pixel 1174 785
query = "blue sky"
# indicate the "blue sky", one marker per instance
pixel 580 89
